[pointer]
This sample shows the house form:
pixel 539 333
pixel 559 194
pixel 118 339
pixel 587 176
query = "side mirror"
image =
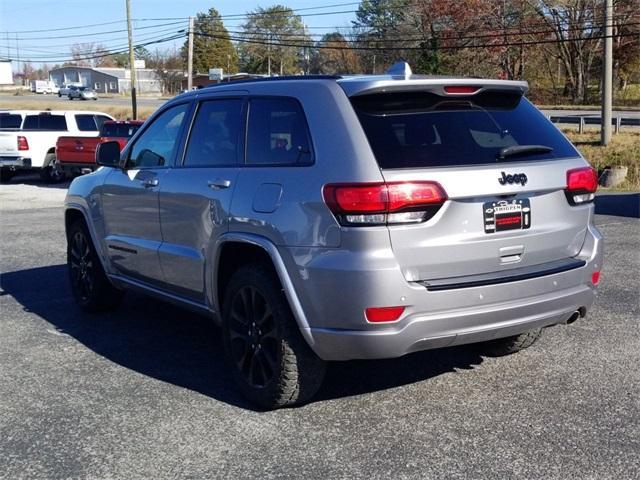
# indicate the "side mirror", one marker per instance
pixel 108 154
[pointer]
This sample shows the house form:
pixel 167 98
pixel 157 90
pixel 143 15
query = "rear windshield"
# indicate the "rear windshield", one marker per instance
pixel 119 130
pixel 10 120
pixel 421 129
pixel 45 122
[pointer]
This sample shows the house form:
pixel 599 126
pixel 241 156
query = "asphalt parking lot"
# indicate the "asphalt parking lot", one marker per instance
pixel 143 392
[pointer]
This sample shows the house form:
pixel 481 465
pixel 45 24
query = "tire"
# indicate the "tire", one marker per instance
pixel 52 173
pixel 91 289
pixel 509 345
pixel 6 175
pixel 271 362
pixel 70 97
pixel 59 95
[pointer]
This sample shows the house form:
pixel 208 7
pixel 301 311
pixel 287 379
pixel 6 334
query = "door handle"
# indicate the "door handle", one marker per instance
pixel 150 182
pixel 218 184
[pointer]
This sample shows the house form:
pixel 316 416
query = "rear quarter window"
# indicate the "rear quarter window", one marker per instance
pixel 45 122
pixel 277 133
pixel 421 129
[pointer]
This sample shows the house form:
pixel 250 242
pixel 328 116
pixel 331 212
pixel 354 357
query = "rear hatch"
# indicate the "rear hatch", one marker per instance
pixel 502 165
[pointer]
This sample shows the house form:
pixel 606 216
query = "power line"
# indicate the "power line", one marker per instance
pixel 452 47
pixel 108 54
pixel 93 34
pixel 102 42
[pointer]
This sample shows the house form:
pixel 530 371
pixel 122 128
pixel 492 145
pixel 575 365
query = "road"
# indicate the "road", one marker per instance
pixel 7 100
pixel 144 393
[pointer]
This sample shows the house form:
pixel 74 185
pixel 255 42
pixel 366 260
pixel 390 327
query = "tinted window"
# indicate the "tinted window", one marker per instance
pixel 100 119
pixel 215 134
pixel 156 146
pixel 9 120
pixel 45 122
pixel 277 133
pixel 86 123
pixel 119 130
pixel 410 130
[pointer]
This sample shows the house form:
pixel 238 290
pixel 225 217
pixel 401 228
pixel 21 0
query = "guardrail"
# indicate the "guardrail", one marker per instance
pixel 582 121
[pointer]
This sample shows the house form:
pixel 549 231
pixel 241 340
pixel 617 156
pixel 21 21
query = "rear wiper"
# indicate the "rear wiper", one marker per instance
pixel 516 150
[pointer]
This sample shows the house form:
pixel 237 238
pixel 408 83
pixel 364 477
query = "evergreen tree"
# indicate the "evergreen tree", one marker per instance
pixel 212 47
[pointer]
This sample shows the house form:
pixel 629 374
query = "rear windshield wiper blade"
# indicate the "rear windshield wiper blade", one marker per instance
pixel 516 150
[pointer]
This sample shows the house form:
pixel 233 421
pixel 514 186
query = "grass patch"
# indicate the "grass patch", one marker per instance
pixel 119 112
pixel 624 150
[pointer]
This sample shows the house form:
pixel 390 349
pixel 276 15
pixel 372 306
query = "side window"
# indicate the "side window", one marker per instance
pixel 156 146
pixel 215 134
pixel 277 133
pixel 86 123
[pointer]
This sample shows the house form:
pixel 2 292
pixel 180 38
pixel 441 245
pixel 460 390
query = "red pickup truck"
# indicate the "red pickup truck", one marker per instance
pixel 78 154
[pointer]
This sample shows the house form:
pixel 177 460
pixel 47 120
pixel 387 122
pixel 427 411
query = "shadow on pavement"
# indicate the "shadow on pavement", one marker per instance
pixel 35 180
pixel 622 205
pixel 182 348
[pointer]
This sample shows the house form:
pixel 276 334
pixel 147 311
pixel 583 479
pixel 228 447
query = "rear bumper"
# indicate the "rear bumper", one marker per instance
pixel 434 319
pixel 77 167
pixel 15 163
pixel 457 327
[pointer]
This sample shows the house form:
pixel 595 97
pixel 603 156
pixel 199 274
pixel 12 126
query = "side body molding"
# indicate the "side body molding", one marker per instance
pixel 281 270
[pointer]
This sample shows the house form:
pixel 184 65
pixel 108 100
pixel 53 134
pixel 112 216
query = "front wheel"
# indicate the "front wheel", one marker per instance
pixel 509 345
pixel 271 362
pixel 89 284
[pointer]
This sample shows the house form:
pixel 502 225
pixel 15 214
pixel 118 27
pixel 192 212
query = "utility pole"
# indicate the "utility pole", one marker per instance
pixel 190 56
pixel 132 61
pixel 18 58
pixel 607 80
pixel 269 56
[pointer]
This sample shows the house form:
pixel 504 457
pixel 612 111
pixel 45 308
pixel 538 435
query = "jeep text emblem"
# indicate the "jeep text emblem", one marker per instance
pixel 520 178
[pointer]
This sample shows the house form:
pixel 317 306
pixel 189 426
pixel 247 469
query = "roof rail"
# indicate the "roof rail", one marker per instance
pixel 276 79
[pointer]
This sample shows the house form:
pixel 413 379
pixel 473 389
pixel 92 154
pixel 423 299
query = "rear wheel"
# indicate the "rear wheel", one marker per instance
pixel 271 362
pixel 52 172
pixel 509 345
pixel 89 284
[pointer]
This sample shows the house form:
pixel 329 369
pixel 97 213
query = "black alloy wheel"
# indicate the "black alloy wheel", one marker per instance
pixel 254 337
pixel 90 286
pixel 270 360
pixel 81 267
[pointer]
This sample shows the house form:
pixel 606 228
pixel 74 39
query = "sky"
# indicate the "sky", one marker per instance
pixel 19 16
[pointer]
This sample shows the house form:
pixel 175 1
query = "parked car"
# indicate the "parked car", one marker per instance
pixel 78 154
pixel 82 93
pixel 32 148
pixel 64 90
pixel 326 218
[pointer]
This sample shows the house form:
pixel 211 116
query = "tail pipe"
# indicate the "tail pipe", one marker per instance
pixel 579 313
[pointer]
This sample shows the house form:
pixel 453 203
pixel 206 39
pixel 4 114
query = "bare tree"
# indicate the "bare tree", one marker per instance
pixel 577 28
pixel 169 68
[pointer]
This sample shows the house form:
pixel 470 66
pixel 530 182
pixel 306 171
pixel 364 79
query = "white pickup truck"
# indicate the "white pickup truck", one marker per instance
pixel 32 147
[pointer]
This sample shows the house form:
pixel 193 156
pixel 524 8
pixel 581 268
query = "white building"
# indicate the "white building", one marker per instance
pixel 6 74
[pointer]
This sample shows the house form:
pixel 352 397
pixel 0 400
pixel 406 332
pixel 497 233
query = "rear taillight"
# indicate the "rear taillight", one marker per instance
pixel 582 184
pixel 384 203
pixel 22 143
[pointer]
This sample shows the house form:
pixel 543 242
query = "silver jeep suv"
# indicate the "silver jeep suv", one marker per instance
pixel 335 218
